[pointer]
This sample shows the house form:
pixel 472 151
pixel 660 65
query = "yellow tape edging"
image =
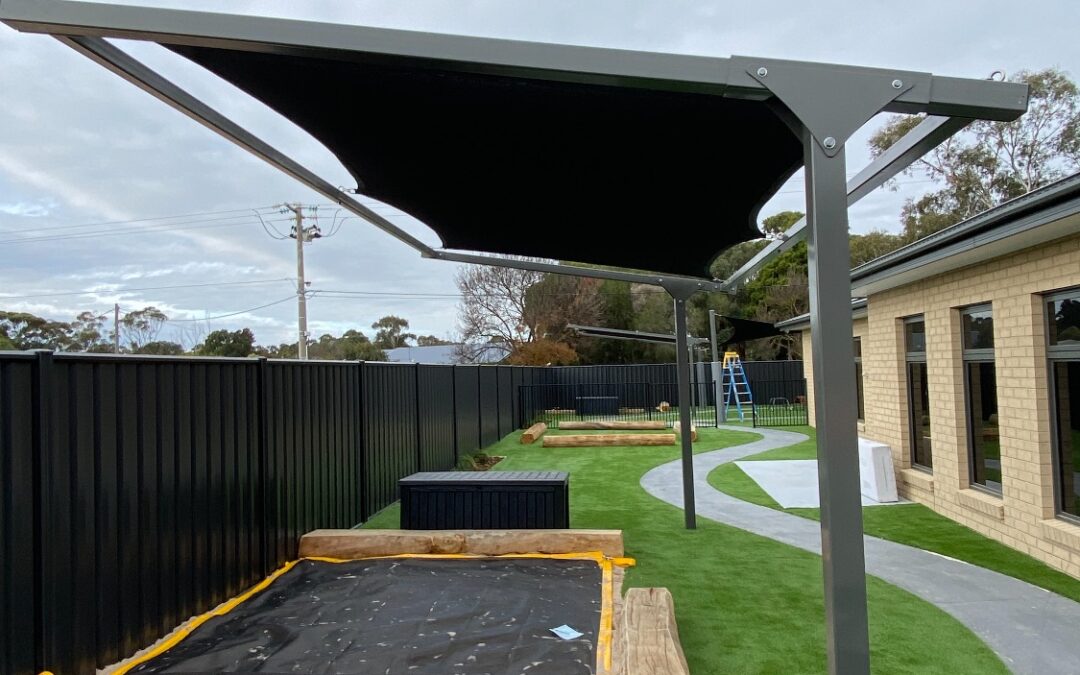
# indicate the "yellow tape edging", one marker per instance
pixel 607 604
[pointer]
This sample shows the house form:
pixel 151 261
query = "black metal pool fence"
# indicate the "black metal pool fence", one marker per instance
pixel 138 491
pixel 774 403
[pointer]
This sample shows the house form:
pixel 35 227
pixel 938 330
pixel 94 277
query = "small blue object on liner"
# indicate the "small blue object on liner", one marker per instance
pixel 566 632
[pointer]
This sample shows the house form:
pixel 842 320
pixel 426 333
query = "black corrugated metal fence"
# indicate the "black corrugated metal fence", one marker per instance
pixel 136 492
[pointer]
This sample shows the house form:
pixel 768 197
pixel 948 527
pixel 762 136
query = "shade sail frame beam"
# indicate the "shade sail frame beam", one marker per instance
pixel 727 76
pixel 666 281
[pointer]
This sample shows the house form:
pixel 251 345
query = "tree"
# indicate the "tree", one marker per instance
pixel 27 331
pixel 353 345
pixel 993 162
pixel 777 224
pixel 728 262
pixel 225 343
pixel 161 348
pixel 389 333
pixel 873 244
pixel 430 341
pixel 543 352
pixel 513 308
pixel 617 311
pixel 492 307
pixel 85 334
pixel 558 300
pixel 141 327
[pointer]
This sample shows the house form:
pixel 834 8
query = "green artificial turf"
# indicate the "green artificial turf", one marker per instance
pixel 745 604
pixel 912 524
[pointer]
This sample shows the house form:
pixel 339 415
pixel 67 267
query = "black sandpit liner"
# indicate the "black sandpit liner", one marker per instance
pixel 405 614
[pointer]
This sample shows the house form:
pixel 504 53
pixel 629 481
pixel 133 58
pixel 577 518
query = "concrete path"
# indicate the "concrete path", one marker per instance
pixel 1034 631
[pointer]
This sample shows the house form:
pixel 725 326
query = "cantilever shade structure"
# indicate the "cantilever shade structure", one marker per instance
pixel 634 335
pixel 487 141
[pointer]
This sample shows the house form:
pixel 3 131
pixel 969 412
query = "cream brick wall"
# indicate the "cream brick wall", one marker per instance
pixel 1023 517
pixel 859 330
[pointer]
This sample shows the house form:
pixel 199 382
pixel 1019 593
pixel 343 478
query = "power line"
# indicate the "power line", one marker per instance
pixel 143 288
pixel 269 229
pixel 242 311
pixel 144 220
pixel 112 233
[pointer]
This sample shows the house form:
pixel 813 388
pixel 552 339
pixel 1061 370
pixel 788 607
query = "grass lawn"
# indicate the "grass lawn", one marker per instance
pixel 745 604
pixel 911 524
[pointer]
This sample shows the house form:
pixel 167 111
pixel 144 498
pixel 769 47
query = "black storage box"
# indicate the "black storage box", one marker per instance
pixel 474 500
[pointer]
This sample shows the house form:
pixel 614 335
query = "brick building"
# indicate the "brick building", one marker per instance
pixel 967 348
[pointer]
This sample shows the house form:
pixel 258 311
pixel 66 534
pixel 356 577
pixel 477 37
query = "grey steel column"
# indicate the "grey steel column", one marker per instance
pixel 682 365
pixel 842 555
pixel 692 360
pixel 717 374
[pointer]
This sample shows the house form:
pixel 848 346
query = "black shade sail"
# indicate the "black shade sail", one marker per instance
pixel 745 330
pixel 630 177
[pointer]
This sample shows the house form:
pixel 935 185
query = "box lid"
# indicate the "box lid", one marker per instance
pixel 486 478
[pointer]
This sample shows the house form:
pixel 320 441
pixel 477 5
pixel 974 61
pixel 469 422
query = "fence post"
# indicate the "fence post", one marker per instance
pixel 419 434
pixel 48 657
pixel 453 412
pixel 267 517
pixel 361 445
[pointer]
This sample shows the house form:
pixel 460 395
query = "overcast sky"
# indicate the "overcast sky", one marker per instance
pixel 79 147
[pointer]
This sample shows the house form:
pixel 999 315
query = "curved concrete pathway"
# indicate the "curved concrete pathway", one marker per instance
pixel 1034 631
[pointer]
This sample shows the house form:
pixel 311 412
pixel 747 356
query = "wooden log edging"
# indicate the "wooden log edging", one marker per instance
pixel 693 431
pixel 647 636
pixel 606 440
pixel 353 544
pixel 641 425
pixel 532 433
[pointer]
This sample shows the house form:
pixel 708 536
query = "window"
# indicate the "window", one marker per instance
pixel 980 380
pixel 918 392
pixel 859 405
pixel 1063 350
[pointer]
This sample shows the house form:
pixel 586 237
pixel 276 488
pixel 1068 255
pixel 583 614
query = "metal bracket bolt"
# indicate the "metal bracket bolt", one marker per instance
pixel 829 142
pixel 762 72
pixel 896 84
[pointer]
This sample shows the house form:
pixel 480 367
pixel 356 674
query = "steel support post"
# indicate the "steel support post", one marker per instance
pixel 717 374
pixel 842 554
pixel 682 365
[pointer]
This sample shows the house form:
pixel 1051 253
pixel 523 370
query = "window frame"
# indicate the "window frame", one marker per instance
pixel 970 356
pixel 1057 354
pixel 911 357
pixel 860 391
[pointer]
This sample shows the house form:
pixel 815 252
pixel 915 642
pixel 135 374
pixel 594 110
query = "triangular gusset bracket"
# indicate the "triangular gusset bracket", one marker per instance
pixel 832 102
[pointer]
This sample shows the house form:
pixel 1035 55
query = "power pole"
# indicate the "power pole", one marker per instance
pixel 116 329
pixel 301 234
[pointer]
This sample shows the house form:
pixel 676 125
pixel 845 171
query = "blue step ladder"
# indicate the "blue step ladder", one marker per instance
pixel 736 386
